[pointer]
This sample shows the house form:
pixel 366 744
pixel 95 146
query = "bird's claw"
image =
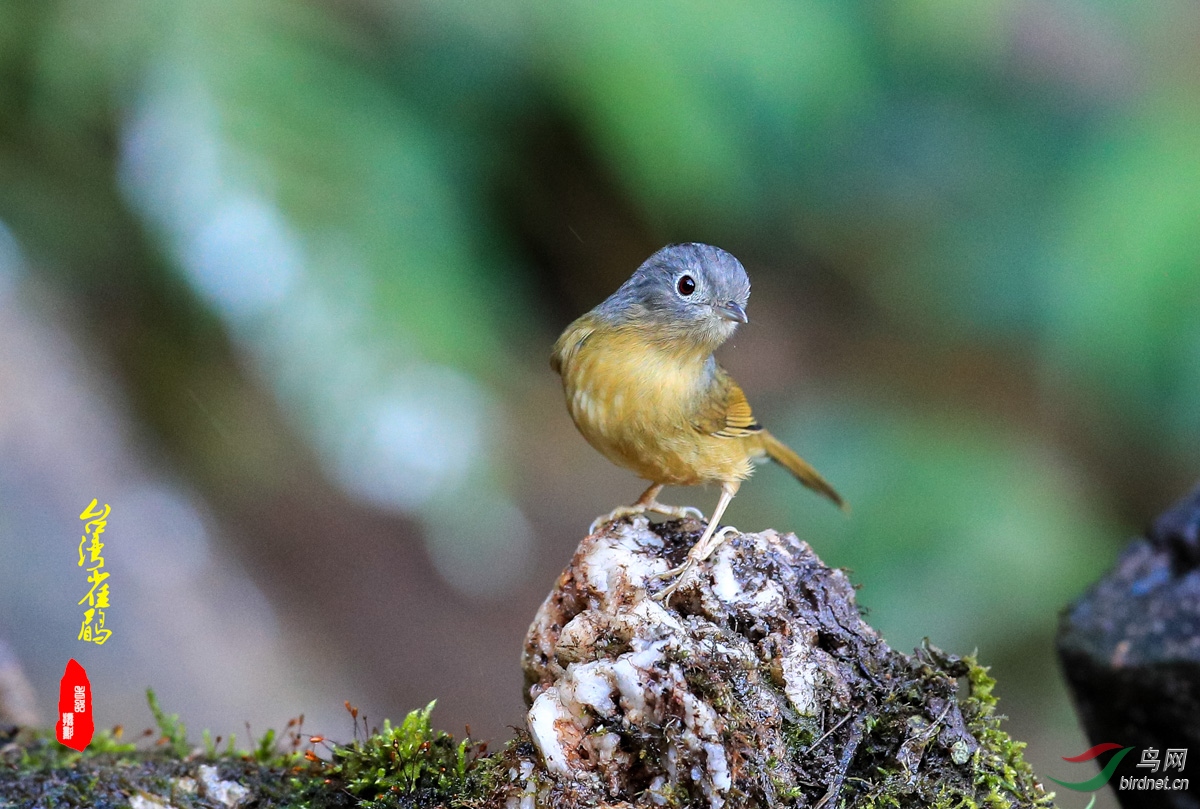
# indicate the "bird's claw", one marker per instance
pixel 697 554
pixel 683 512
pixel 676 512
pixel 675 571
pixel 678 572
pixel 599 521
pixel 716 539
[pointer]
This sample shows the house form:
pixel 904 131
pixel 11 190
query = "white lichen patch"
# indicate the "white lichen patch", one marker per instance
pixel 801 676
pixel 227 793
pixel 725 584
pixel 588 687
pixel 143 800
pixel 187 787
pixel 549 722
pixel 634 700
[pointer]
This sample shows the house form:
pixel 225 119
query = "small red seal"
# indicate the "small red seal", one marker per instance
pixel 74 727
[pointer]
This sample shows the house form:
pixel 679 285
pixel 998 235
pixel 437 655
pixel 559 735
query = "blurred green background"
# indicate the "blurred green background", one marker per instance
pixel 278 280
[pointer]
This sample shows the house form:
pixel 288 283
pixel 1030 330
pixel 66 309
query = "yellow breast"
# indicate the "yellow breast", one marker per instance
pixel 634 399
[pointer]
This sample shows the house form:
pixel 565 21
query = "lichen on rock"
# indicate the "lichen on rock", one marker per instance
pixel 756 684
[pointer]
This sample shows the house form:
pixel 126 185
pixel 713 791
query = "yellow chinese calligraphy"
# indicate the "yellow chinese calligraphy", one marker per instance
pixel 98 521
pixel 92 629
pixel 94 633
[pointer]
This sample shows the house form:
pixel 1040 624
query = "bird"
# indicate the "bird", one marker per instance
pixel 643 387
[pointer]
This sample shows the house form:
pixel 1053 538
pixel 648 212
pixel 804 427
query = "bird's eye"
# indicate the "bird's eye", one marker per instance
pixel 686 285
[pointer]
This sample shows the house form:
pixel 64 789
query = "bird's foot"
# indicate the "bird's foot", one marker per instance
pixel 713 541
pixel 699 552
pixel 677 512
pixel 665 593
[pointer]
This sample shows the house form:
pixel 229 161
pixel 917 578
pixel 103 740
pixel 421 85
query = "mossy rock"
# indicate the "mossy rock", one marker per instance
pixel 802 704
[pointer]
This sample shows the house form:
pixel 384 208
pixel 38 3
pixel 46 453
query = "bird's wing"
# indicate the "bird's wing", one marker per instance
pixel 724 412
pixel 569 343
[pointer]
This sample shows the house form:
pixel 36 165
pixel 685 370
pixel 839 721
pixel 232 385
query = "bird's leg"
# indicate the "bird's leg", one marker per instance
pixel 708 542
pixel 647 502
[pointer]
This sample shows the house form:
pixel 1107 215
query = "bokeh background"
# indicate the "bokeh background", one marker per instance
pixel 278 282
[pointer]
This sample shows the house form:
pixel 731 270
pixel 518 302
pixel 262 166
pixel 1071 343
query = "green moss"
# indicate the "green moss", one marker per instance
pixel 411 760
pixel 174 733
pixel 952 776
pixel 407 765
pixel 35 770
pixel 799 736
pixel 999 764
pixel 412 765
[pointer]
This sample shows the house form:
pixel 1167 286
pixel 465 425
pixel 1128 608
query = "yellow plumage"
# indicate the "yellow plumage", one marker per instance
pixel 664 408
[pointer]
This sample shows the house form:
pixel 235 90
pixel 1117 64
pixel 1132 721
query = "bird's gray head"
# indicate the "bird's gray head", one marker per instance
pixel 692 291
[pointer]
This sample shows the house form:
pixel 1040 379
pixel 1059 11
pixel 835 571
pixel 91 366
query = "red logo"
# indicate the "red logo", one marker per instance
pixel 74 727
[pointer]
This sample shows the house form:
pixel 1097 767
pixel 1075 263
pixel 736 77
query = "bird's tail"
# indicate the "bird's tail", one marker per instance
pixel 783 455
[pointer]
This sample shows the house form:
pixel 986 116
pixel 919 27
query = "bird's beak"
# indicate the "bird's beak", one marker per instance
pixel 731 311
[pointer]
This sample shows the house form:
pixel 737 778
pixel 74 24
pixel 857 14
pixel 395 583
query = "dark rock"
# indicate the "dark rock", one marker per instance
pixel 1130 649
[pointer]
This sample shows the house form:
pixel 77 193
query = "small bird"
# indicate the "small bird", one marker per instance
pixel 643 387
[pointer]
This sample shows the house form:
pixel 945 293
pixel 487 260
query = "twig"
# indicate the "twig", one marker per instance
pixel 826 734
pixel 856 734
